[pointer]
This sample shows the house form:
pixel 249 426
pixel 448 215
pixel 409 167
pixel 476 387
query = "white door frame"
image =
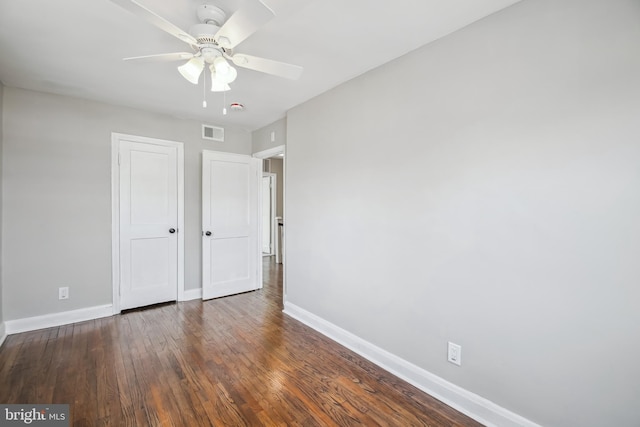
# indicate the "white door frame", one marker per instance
pixel 115 210
pixel 273 228
pixel 271 152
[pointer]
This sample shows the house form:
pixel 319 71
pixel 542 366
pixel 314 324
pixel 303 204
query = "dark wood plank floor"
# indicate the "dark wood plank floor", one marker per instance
pixel 235 361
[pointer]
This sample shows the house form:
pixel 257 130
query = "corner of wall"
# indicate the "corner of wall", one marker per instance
pixel 270 136
pixel 3 333
pixel 462 400
pixel 2 328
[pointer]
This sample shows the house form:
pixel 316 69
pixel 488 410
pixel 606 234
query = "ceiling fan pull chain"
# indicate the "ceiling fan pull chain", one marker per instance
pixel 224 103
pixel 204 91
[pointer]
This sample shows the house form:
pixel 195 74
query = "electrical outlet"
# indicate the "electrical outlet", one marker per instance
pixel 63 293
pixel 454 353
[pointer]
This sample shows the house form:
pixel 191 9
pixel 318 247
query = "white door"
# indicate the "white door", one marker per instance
pixel 148 199
pixel 268 212
pixel 230 224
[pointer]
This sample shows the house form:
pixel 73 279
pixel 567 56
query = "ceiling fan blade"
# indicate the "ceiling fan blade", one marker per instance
pixel 151 17
pixel 246 21
pixel 163 57
pixel 269 66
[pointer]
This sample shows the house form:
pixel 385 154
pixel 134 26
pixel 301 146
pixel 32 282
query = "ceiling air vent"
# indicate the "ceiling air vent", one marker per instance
pixel 213 133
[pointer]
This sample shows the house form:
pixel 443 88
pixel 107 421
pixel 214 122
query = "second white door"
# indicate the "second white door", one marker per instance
pixel 230 224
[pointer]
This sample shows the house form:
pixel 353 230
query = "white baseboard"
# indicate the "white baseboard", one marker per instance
pixel 3 333
pixel 191 294
pixel 57 319
pixel 470 404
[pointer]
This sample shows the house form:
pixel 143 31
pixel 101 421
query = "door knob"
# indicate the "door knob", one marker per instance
pixel 172 230
pixel 208 233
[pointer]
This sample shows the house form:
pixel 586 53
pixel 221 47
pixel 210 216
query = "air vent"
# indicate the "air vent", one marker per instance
pixel 213 133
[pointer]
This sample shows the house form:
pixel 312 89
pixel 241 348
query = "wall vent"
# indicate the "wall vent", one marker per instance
pixel 213 133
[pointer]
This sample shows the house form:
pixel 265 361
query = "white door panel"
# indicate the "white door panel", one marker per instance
pixel 230 213
pixel 150 263
pixel 148 213
pixel 151 186
pixel 232 259
pixel 229 201
pixel 268 209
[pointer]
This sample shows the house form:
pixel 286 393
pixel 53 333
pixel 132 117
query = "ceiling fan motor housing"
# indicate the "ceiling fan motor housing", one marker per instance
pixel 209 54
pixel 208 14
pixel 211 18
pixel 204 33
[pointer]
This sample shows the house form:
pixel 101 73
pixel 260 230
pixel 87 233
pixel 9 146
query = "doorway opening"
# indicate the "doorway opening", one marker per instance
pixel 274 162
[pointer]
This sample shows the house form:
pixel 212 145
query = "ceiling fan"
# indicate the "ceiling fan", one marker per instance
pixel 213 41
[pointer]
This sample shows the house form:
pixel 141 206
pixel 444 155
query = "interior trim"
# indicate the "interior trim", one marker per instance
pixel 480 409
pixel 57 319
pixel 3 333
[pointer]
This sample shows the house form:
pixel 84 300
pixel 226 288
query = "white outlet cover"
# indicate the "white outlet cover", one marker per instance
pixel 454 353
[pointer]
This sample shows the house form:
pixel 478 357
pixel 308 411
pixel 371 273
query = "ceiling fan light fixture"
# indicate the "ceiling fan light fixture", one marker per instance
pixel 222 71
pixel 219 87
pixel 221 65
pixel 192 69
pixel 230 76
pixel 217 84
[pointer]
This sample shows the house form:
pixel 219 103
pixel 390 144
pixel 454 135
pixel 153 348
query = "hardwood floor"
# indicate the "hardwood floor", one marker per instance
pixel 235 361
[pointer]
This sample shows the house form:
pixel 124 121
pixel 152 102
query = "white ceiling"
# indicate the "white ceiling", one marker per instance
pixel 75 48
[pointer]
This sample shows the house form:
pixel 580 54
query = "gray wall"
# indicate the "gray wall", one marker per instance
pixel 57 196
pixel 261 138
pixel 276 166
pixel 484 189
pixel 1 168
